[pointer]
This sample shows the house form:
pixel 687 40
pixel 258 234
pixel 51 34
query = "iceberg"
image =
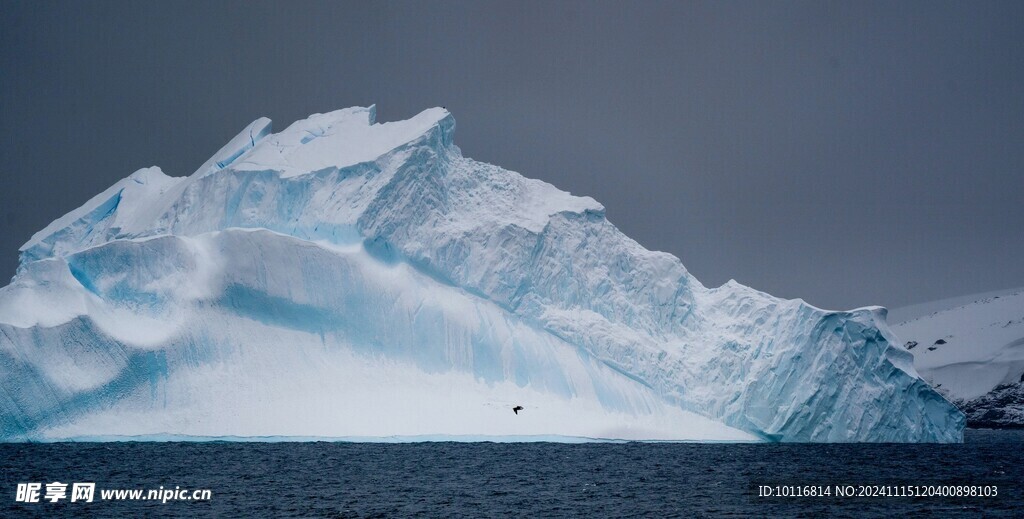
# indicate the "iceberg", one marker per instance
pixel 352 279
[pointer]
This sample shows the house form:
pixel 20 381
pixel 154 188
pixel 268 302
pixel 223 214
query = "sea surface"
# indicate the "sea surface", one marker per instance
pixel 440 479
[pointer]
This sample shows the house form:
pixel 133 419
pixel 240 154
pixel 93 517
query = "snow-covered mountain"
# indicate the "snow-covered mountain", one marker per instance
pixel 345 278
pixel 972 350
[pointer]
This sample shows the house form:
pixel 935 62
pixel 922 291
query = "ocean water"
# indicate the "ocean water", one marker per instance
pixel 322 479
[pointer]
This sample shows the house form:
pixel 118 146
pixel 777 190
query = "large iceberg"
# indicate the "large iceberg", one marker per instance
pixel 346 278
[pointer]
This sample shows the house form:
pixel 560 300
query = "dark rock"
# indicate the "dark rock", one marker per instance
pixel 1001 408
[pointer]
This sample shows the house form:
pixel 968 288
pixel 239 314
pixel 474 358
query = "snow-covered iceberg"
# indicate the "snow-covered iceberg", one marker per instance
pixel 345 278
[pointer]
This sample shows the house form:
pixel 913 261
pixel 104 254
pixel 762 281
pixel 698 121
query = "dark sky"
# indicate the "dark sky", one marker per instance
pixel 848 153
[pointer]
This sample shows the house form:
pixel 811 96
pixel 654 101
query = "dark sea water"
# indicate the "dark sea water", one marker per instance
pixel 522 480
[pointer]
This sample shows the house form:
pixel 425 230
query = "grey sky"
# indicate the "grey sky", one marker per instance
pixel 848 153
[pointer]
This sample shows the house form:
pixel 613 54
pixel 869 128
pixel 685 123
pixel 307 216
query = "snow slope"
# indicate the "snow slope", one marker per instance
pixel 345 278
pixel 907 313
pixel 974 353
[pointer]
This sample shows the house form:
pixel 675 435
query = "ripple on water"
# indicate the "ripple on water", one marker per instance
pixel 526 479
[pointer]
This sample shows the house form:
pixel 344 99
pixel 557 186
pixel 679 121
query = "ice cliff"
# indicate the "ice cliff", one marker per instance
pixel 347 278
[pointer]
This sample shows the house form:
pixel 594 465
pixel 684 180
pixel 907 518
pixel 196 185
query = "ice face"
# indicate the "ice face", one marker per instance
pixel 374 264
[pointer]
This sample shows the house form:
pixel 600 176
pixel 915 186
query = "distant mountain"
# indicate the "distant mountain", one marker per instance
pixel 972 350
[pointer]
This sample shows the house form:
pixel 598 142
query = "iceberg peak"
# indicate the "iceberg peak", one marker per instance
pixel 246 140
pixel 341 139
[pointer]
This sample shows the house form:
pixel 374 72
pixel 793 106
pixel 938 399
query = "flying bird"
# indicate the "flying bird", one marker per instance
pixel 517 408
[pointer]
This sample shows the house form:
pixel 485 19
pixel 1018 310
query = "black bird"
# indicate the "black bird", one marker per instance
pixel 517 408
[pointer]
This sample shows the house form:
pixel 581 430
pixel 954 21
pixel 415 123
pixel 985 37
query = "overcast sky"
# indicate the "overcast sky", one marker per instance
pixel 847 153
